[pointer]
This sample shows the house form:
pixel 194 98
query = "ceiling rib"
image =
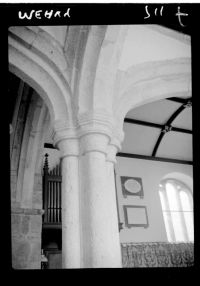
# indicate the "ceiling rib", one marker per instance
pixel 161 159
pixel 167 127
pixel 141 122
pixel 177 99
pixel 164 128
pixel 155 125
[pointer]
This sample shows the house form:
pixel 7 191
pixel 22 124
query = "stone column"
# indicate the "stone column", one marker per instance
pixel 100 237
pixel 113 147
pixel 67 142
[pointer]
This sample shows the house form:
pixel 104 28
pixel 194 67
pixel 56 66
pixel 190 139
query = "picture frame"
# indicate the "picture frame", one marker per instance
pixel 132 186
pixel 135 216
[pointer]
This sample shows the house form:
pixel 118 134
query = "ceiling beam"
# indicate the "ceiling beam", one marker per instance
pixel 141 122
pixel 138 156
pixel 167 127
pixel 155 125
pixel 178 99
pixel 181 130
pixel 161 159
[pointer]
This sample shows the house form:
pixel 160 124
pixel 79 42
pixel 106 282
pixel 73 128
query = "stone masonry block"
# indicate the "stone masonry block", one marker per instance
pixel 37 200
pixel 20 254
pixel 35 255
pixel 38 183
pixel 36 224
pixel 15 223
pixel 25 224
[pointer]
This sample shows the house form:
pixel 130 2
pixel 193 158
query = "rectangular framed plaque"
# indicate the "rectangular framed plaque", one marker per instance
pixel 135 216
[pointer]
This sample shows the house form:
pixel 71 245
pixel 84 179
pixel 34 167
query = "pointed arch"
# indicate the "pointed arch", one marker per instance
pixel 36 58
pixel 150 82
pixel 99 67
pixel 88 70
pixel 28 61
pixel 107 66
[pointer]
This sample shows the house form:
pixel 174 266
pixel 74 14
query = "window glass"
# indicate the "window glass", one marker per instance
pixel 167 220
pixel 185 202
pixel 176 203
pixel 172 197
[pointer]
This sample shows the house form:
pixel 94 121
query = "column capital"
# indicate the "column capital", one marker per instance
pixel 65 138
pixel 94 142
pixel 95 131
pixel 95 121
pixel 114 144
pixel 113 147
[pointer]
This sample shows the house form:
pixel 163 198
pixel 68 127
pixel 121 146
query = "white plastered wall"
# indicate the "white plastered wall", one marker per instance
pixel 151 172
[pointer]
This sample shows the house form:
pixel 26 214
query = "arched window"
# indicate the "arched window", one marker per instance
pixel 177 205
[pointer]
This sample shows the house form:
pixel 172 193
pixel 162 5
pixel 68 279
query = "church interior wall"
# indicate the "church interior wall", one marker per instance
pixel 81 95
pixel 151 173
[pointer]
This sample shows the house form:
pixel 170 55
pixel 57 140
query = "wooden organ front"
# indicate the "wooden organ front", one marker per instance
pixel 52 181
pixel 52 217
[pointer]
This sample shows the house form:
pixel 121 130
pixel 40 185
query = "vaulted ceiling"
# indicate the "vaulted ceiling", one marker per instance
pixel 146 126
pixel 160 129
pixel 150 43
pixel 143 43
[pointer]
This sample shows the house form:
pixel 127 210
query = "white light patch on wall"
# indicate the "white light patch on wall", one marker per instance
pixel 166 216
pixel 188 215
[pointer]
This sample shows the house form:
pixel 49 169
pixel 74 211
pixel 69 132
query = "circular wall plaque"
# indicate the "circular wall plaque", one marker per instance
pixel 132 186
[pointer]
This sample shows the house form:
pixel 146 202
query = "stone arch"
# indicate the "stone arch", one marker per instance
pixel 75 57
pixel 30 147
pixel 28 142
pixel 38 60
pixel 42 74
pixel 26 190
pixel 150 82
pixel 99 68
pixel 75 53
pixel 107 66
pixel 89 65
